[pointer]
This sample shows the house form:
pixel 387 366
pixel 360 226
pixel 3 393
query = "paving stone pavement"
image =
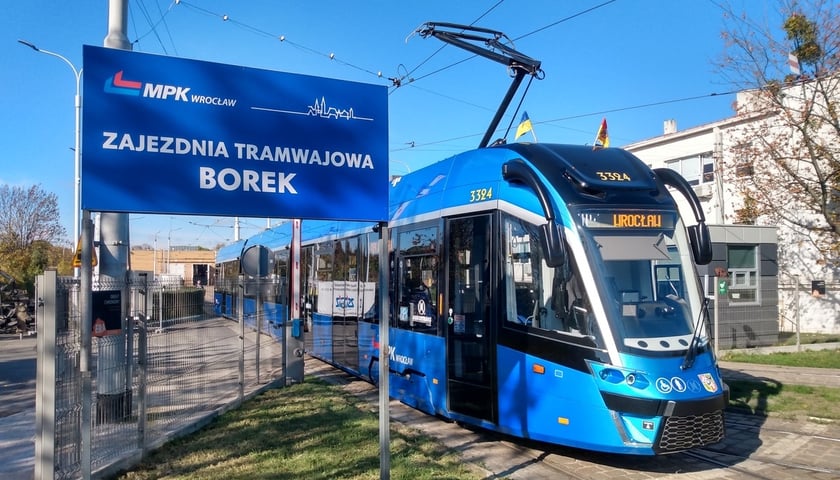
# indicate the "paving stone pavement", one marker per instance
pixel 760 437
pixel 751 443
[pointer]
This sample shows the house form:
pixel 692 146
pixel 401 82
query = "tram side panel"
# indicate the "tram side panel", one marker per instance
pixel 550 402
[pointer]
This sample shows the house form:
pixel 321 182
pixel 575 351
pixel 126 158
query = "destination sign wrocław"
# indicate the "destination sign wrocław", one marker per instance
pixel 628 219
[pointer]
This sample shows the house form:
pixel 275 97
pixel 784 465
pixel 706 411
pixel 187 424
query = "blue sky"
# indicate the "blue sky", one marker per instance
pixel 635 62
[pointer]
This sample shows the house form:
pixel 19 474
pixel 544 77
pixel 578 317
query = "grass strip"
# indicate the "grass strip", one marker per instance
pixel 310 430
pixel 785 401
pixel 807 358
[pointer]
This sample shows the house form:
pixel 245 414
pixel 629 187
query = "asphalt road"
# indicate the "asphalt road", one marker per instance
pixel 17 374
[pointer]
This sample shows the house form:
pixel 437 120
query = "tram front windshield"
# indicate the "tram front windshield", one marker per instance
pixel 645 276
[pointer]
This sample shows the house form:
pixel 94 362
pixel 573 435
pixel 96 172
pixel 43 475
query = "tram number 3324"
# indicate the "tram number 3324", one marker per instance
pixel 481 194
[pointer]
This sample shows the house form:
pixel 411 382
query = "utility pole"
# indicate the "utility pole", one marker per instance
pixel 113 388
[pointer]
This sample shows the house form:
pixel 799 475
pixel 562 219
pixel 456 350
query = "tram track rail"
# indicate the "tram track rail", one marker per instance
pixel 722 464
pixel 756 460
pixel 799 431
pixel 758 448
pixel 708 455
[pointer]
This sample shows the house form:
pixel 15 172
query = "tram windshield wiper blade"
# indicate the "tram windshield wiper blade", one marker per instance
pixel 691 354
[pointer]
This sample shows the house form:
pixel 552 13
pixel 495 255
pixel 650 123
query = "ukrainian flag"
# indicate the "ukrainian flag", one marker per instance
pixel 525 126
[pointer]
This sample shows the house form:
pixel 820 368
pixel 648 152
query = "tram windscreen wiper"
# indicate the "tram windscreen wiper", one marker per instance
pixel 691 354
pixel 661 245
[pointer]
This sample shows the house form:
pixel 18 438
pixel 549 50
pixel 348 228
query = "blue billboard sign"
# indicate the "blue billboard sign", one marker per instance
pixel 177 136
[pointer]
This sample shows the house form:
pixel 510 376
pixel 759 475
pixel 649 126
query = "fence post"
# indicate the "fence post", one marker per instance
pixel 129 302
pixel 240 307
pixel 141 320
pixel 160 309
pixel 45 397
pixel 258 313
pixel 86 332
pixel 798 343
pixel 715 299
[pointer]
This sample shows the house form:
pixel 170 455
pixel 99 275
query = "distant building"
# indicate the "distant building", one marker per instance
pixel 770 266
pixel 192 267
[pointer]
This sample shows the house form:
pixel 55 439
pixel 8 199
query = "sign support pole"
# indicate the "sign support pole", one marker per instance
pixel 86 333
pixel 384 368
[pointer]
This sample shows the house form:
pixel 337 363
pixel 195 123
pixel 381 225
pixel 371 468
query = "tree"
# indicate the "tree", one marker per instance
pixel 29 224
pixel 785 162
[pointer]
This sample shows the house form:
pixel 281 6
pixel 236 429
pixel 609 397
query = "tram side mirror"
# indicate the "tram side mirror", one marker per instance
pixel 256 261
pixel 701 243
pixel 553 244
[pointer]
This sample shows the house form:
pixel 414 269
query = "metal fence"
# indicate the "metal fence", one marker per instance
pixel 778 315
pixel 809 307
pixel 170 367
pixel 745 320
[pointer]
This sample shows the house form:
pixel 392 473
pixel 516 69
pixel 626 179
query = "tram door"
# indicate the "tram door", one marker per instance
pixel 470 358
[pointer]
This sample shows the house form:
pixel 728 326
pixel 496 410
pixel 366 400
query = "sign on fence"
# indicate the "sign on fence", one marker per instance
pixel 107 312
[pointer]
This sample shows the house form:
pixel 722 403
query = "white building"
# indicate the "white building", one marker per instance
pixel 719 161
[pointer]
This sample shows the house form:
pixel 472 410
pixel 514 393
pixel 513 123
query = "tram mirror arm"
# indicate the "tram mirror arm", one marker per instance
pixel 553 245
pixel 698 235
pixel 551 240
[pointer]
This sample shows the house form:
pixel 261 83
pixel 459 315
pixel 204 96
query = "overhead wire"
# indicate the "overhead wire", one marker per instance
pixel 153 26
pixel 397 80
pixel 554 24
pixel 570 17
pixel 166 25
pixel 282 38
pixel 413 80
pixel 582 115
pixel 407 75
pixel 141 5
pixel 522 97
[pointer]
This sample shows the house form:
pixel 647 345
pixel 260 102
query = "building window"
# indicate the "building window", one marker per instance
pixel 743 273
pixel 708 168
pixel 696 169
pixel 744 170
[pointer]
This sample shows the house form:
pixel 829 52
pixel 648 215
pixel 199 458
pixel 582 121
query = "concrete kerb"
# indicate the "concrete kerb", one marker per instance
pixel 808 376
pixel 784 348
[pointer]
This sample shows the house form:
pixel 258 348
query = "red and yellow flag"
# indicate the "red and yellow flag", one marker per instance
pixel 603 138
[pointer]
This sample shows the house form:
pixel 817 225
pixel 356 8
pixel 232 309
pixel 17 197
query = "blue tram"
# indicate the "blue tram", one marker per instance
pixel 544 291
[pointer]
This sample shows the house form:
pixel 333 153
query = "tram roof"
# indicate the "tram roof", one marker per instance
pixel 451 184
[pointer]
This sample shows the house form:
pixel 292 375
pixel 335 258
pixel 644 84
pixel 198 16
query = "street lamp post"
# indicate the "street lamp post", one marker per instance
pixel 77 150
pixel 401 163
pixel 169 247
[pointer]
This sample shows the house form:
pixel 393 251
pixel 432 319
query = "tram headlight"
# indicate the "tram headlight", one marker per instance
pixel 637 380
pixel 616 375
pixel 632 379
pixel 611 375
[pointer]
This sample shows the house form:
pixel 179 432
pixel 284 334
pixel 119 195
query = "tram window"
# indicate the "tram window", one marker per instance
pixel 324 260
pixel 307 286
pixel 346 259
pixel 418 241
pixel 668 281
pixel 418 304
pixel 522 273
pixel 539 296
pixel 322 271
pixel 369 275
